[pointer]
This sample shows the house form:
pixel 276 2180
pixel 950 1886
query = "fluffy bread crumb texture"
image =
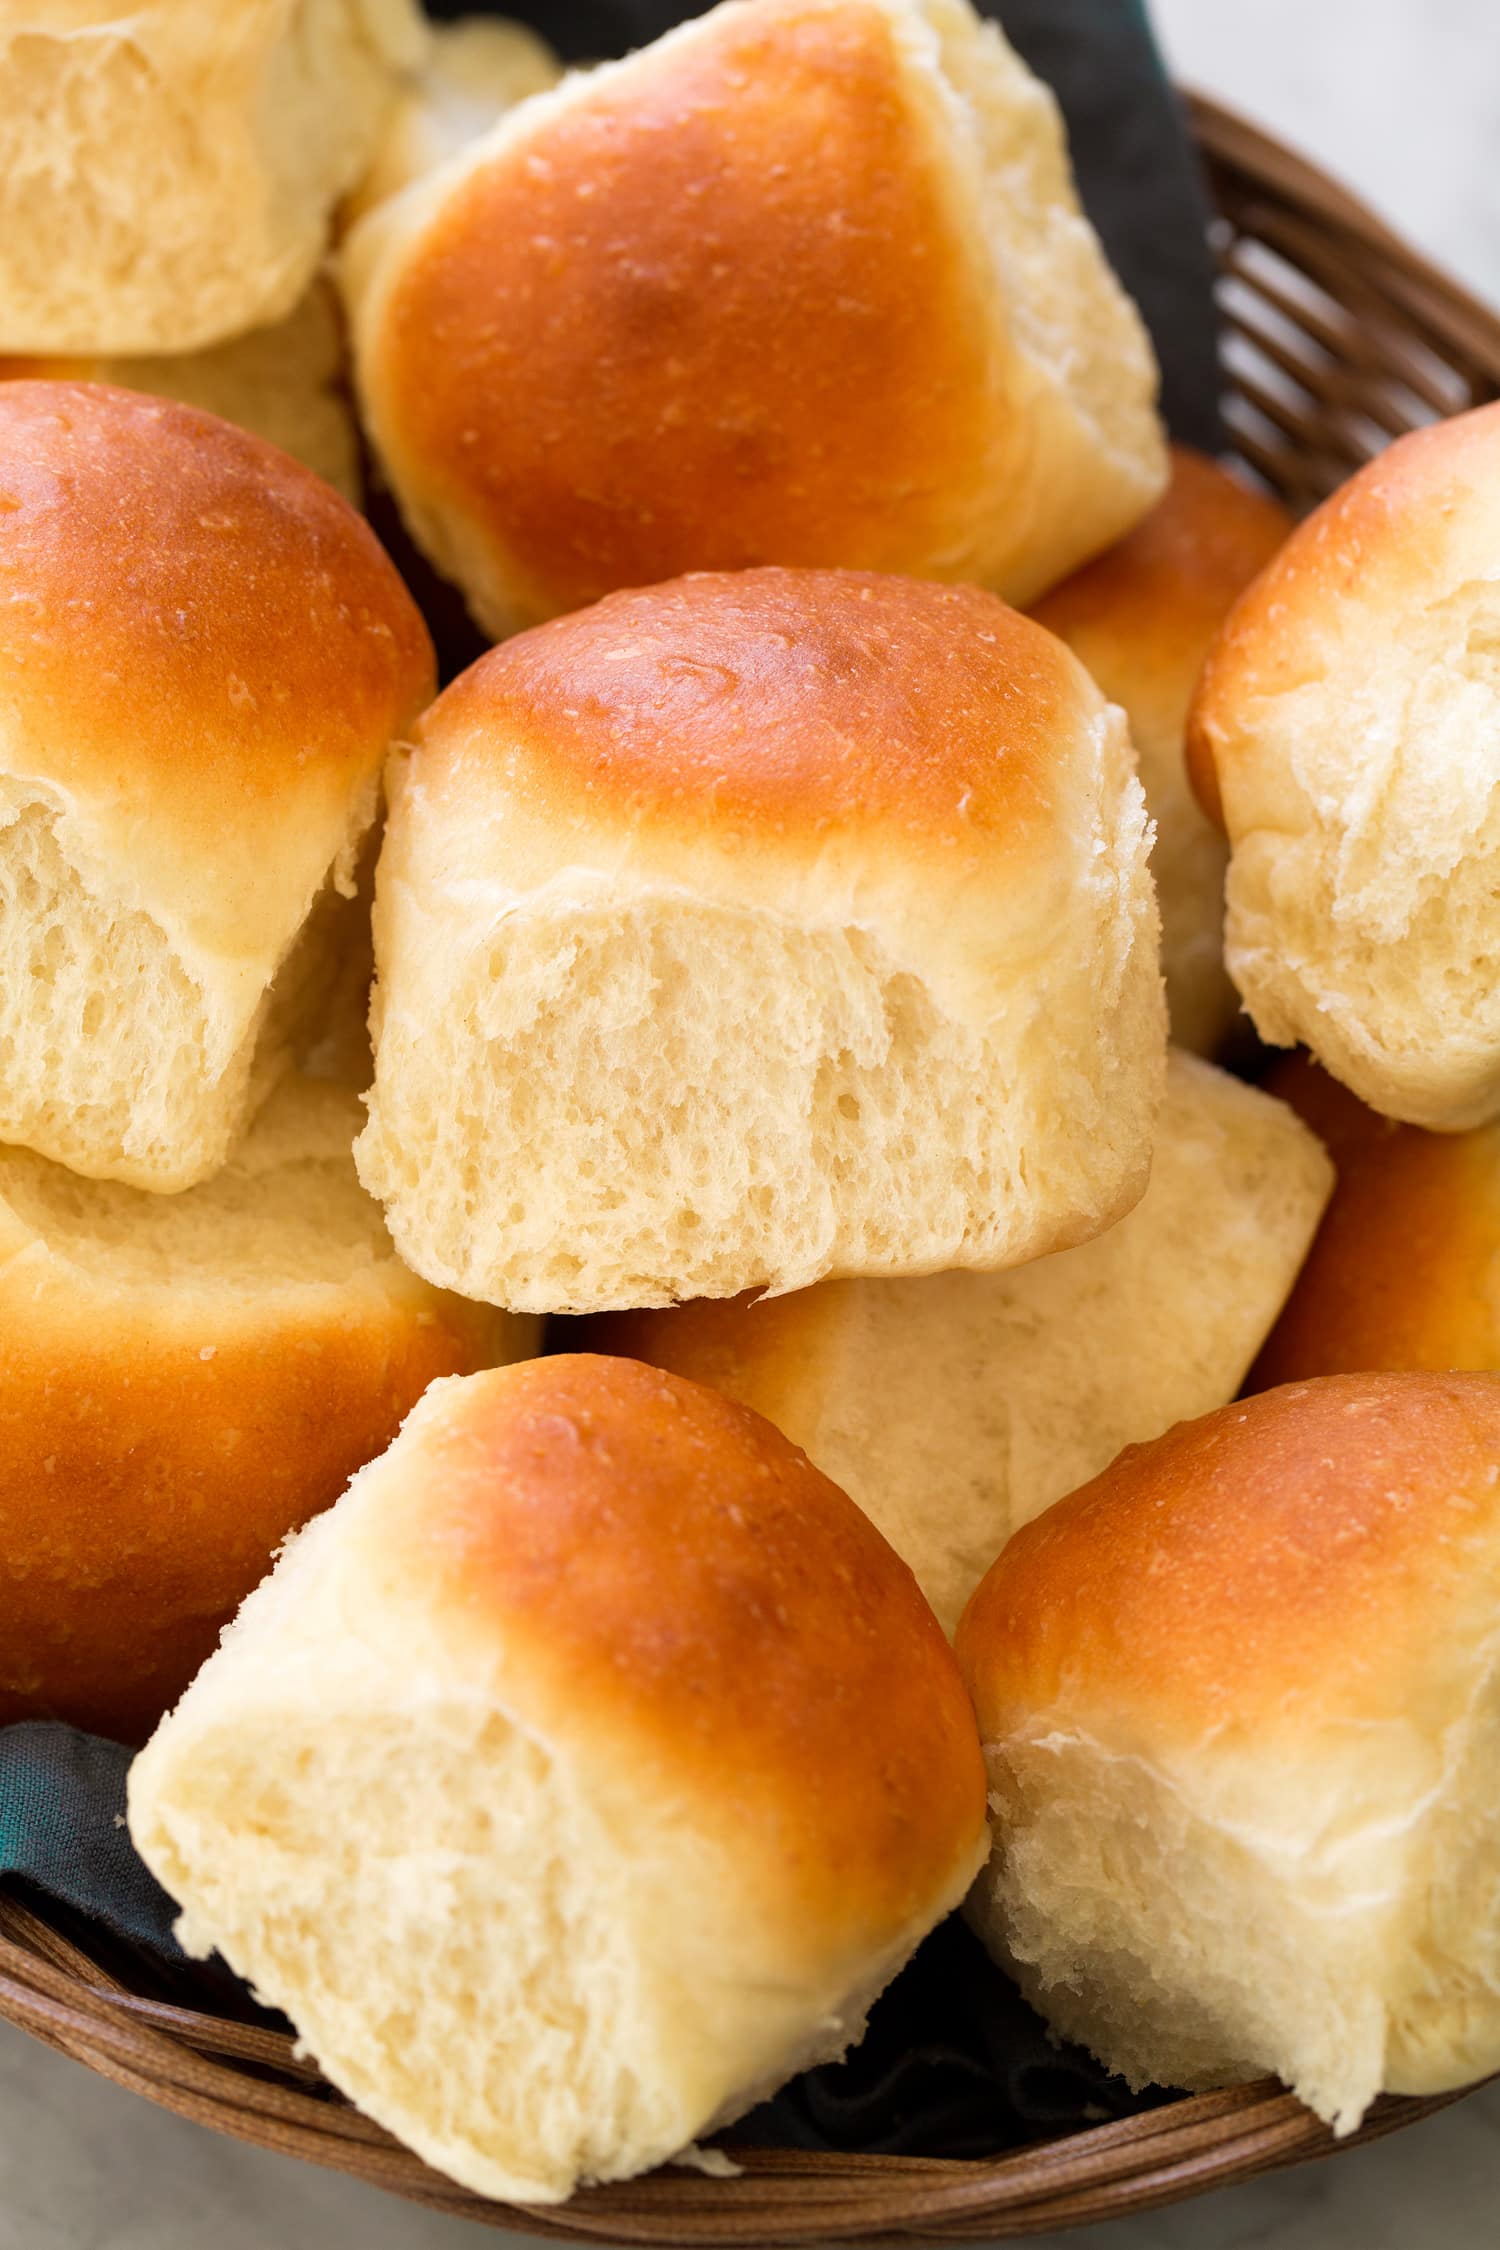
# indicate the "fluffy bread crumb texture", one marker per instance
pixel 1345 730
pixel 206 655
pixel 755 929
pixel 1240 1699
pixel 579 1777
pixel 168 172
pixel 956 1407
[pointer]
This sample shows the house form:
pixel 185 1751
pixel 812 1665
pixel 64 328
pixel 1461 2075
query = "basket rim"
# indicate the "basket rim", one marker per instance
pixel 1423 285
pixel 186 2062
pixel 250 2084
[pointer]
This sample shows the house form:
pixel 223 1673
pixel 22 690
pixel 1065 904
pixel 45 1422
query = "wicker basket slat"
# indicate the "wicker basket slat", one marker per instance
pixel 1258 281
pixel 785 2196
pixel 1310 370
pixel 1340 336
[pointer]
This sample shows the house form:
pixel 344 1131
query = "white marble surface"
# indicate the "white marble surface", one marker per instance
pixel 1403 98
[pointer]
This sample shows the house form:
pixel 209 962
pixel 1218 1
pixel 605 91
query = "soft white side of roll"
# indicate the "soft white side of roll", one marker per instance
pixel 756 929
pixel 284 382
pixel 957 1407
pixel 1348 723
pixel 168 171
pixel 585 1773
pixel 476 70
pixel 1240 1698
pixel 1143 618
pixel 204 657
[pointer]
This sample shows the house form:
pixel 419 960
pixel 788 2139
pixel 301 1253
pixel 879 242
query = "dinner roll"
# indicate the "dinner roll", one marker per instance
pixel 476 70
pixel 1346 726
pixel 184 1380
pixel 1240 1707
pixel 284 383
pixel 956 1407
pixel 754 929
pixel 586 1772
pixel 1402 1273
pixel 168 170
pixel 805 282
pixel 205 654
pixel 1143 618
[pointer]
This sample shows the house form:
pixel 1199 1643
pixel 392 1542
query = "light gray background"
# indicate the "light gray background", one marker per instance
pixel 1403 98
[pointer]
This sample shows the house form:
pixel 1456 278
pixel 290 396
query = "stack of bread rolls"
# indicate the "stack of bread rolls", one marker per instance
pixel 760 965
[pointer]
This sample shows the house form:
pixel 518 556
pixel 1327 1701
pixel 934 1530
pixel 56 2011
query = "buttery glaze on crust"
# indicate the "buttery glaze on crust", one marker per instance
pixel 637 1554
pixel 1143 618
pixel 1291 1561
pixel 196 634
pixel 789 236
pixel 1379 542
pixel 184 1380
pixel 792 705
pixel 146 1480
pixel 802 282
pixel 1402 1273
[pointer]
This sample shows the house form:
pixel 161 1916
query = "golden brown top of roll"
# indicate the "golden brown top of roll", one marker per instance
pixel 200 642
pixel 802 282
pixel 799 82
pixel 656 1570
pixel 914 758
pixel 184 1380
pixel 577 1779
pixel 1413 528
pixel 788 704
pixel 1401 1273
pixel 1321 1555
pixel 775 850
pixel 1143 616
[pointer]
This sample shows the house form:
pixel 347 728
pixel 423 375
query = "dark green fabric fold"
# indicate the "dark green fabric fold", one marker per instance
pixel 62 1831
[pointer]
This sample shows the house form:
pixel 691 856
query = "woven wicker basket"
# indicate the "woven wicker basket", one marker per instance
pixel 1339 338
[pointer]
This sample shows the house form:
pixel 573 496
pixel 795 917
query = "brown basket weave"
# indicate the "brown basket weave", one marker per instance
pixel 1338 335
pixel 1339 338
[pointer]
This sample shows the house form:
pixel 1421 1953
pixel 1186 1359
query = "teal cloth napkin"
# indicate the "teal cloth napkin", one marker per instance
pixel 62 1831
